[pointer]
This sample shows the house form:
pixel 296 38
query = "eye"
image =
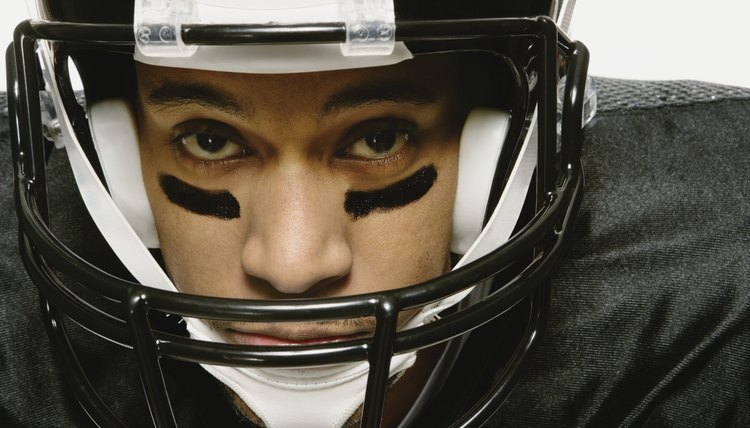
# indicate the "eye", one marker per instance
pixel 210 147
pixel 379 144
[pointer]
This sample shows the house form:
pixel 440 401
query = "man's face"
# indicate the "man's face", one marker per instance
pixel 304 185
pixel 301 185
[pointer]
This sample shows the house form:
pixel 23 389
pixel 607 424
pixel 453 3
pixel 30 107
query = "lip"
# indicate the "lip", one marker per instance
pixel 266 340
pixel 291 334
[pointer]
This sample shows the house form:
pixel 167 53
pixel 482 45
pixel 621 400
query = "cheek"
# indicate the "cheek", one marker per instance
pixel 407 245
pixel 196 248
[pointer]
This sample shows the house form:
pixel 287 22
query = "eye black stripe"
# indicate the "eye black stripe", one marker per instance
pixel 359 204
pixel 213 203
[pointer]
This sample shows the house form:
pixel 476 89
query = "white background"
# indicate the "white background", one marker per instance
pixel 636 39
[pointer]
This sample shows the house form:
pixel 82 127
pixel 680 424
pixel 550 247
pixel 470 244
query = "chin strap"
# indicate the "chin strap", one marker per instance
pixel 315 397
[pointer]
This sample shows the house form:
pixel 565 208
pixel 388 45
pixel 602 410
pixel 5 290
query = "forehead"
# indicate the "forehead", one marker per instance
pixel 436 74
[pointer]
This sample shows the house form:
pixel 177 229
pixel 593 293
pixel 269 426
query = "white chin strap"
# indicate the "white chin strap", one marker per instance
pixel 322 396
pixel 307 396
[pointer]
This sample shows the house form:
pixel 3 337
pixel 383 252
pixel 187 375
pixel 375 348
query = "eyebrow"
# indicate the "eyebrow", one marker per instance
pixel 378 92
pixel 179 94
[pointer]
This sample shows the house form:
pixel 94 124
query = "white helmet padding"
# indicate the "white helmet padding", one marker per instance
pixel 481 142
pixel 115 134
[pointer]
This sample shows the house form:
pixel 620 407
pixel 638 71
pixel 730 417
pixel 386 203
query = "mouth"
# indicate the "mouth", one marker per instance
pixel 263 340
pixel 300 333
pixel 289 338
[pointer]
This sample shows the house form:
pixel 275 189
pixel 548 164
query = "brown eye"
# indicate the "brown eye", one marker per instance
pixel 379 144
pixel 210 147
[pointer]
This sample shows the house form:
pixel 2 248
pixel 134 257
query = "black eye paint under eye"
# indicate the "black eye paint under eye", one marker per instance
pixel 214 203
pixel 359 204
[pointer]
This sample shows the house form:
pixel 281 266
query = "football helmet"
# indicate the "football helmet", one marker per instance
pixel 519 184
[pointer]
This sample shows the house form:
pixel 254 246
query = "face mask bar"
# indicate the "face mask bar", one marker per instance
pixel 125 318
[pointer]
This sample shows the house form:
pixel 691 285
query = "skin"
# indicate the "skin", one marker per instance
pixel 295 149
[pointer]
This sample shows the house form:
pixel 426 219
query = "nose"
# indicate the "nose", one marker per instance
pixel 297 234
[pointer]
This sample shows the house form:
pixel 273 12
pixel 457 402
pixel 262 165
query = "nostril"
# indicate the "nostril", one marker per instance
pixel 293 271
pixel 297 281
